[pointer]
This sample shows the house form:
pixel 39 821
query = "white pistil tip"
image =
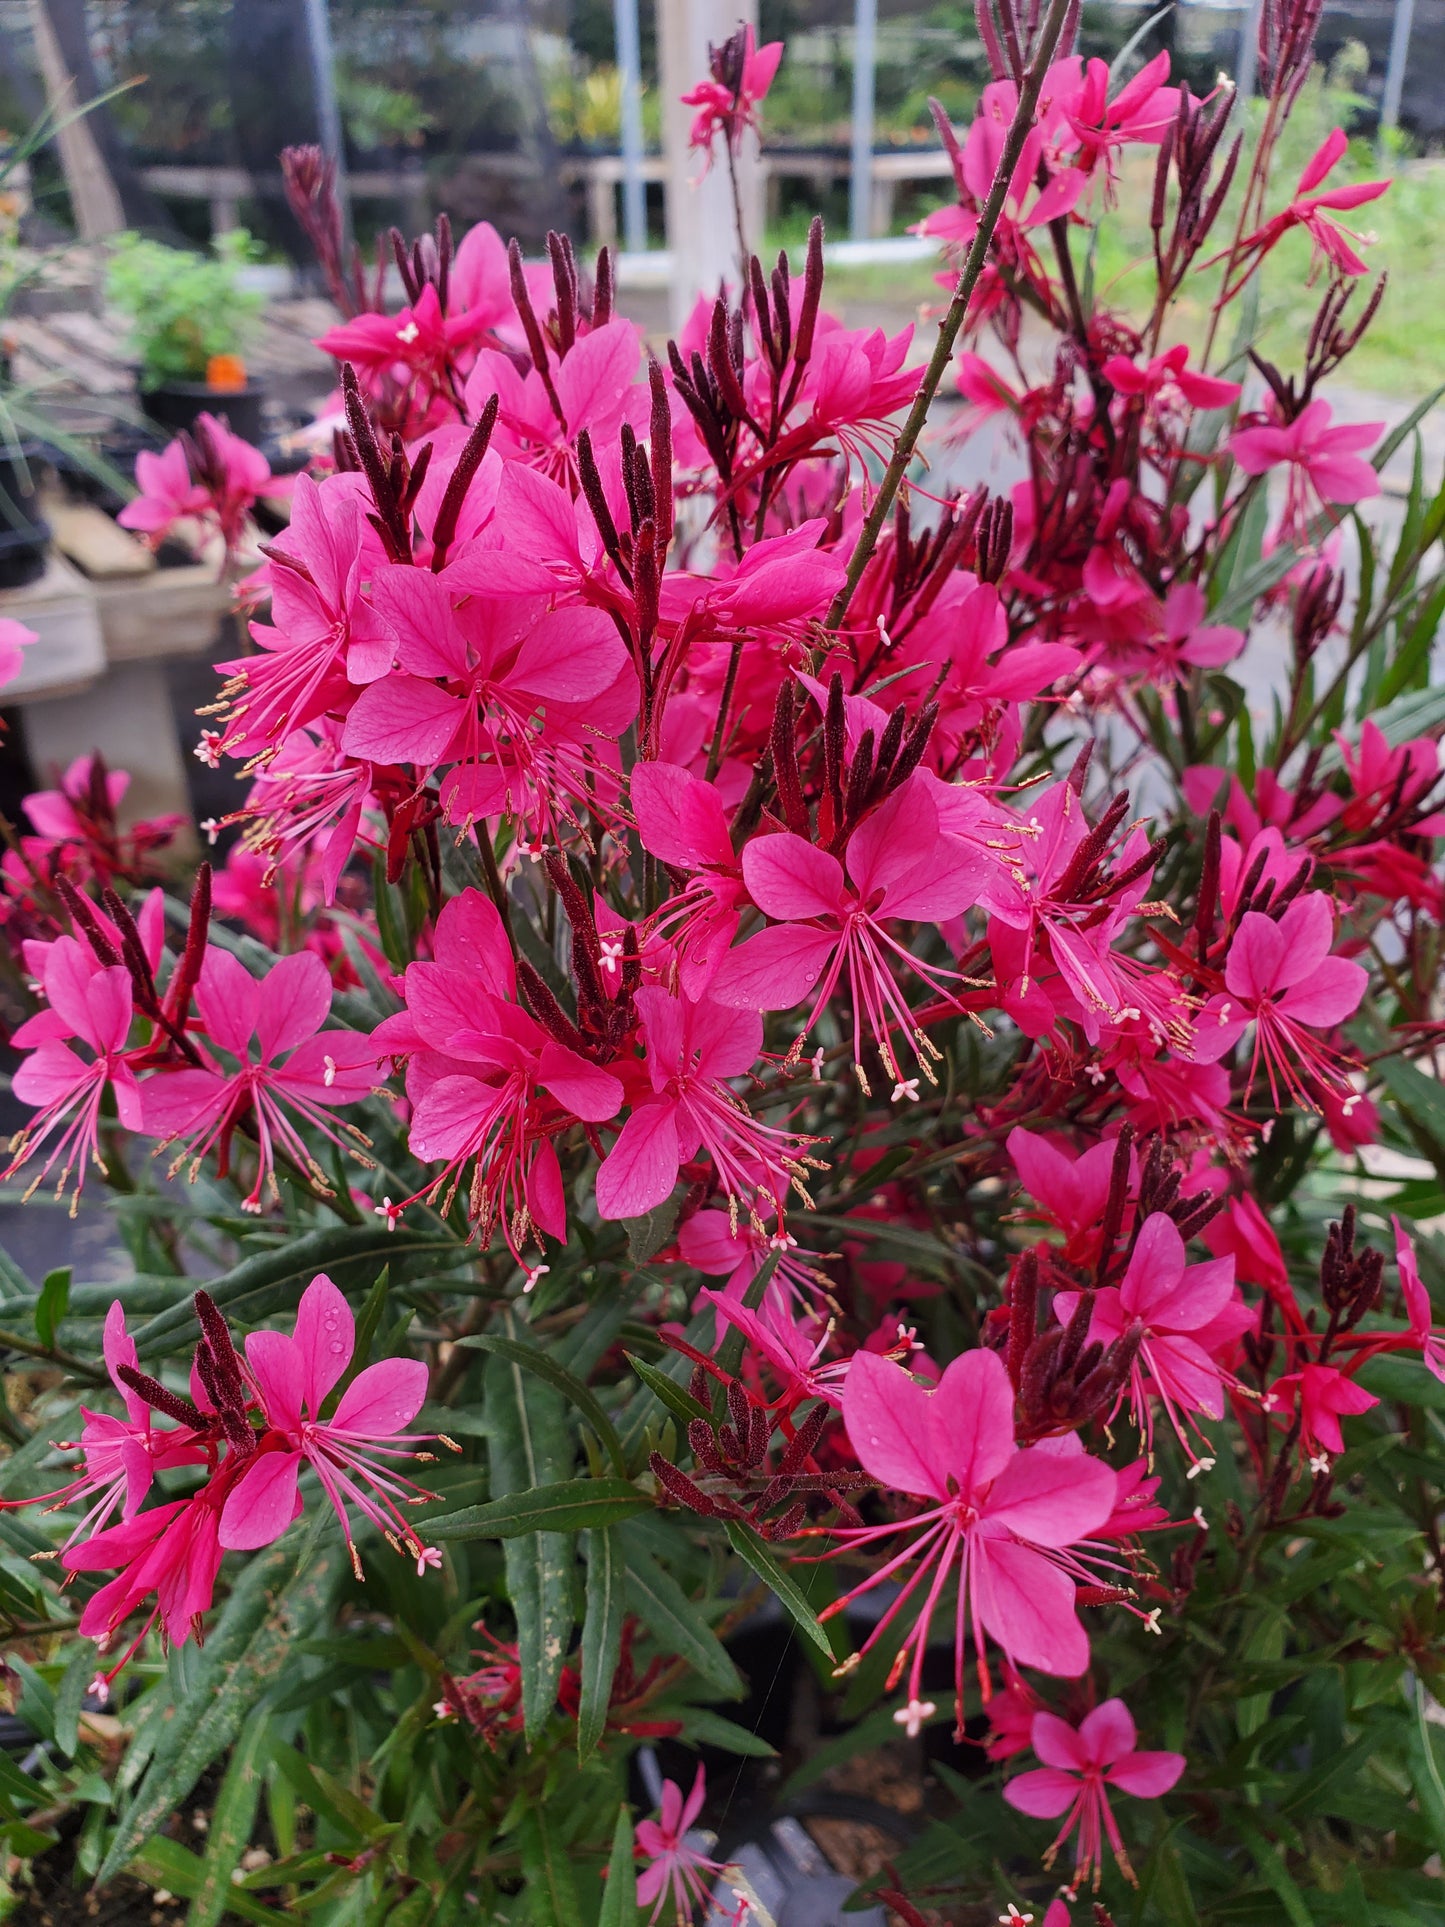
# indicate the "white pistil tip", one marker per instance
pixel 1320 1463
pixel 816 1060
pixel 912 1716
pixel 330 1074
pixel 1013 1918
pixel 409 333
pixel 536 1272
pixel 443 1709
pixel 906 1087
pixel 428 1557
pixel 611 951
pixel 1199 1519
pixel 1199 1468
pixel 99 1688
pixel 1151 1622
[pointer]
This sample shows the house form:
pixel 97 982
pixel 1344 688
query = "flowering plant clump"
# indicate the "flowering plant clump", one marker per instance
pixel 772 1030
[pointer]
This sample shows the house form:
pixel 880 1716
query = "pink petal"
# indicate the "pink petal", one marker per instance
pixel 971 1422
pixel 593 376
pixel 588 1091
pixel 470 937
pixel 1155 1268
pixel 570 656
pixel 1256 957
pixel 325 1337
pixel 1147 1775
pixel 886 1414
pixel 641 1168
pixel 229 1001
pixel 383 1399
pixel 1108 1732
pixel 1045 1793
pixel 295 1000
pixel 1058 1744
pixel 1048 1500
pixel 418 611
pixel 774 969
pixel 262 1503
pixel 1329 996
pixel 276 1364
pixel 402 720
pixel 788 877
pixel 1027 1605
pixel 680 818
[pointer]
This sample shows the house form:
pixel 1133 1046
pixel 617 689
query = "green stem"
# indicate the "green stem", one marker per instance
pixel 949 327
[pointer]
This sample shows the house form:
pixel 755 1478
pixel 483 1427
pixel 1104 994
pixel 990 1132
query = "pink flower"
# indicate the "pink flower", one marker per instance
pixel 681 821
pixel 15 638
pixel 56 814
pixel 898 865
pixel 1167 371
pixel 1072 1190
pixel 1324 463
pixel 419 341
pixel 1080 1765
pixel 1281 978
pixel 323 636
pixel 1185 1312
pixel 347 1452
pixel 1005 1519
pixel 1143 111
pixel 167 492
pixel 1417 1302
pixel 486 1081
pixel 1326 1396
pixel 298 1067
pixel 173 1551
pixel 792 1346
pixel 691 1049
pixel 727 104
pixel 121 1455
pixel 1331 244
pixel 90 1004
pixel 676 1869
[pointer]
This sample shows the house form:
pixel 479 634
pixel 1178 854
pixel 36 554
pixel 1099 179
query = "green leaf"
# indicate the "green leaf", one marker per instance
pixel 529 1448
pixel 273 1278
pixel 647 1235
pixel 571 1505
pixel 232 1817
pixel 619 1891
pixel 50 1306
pixel 706 1728
pixel 1403 428
pixel 565 1382
pixel 1411 659
pixel 680 1403
pixel 68 1699
pixel 167 1864
pixel 243 1658
pixel 551 1890
pixel 1270 1862
pixel 674 1621
pixel 1422 1099
pixel 601 1638
pixel 748 1546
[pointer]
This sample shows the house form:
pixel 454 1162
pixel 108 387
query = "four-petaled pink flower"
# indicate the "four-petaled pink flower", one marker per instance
pixel 831 923
pixel 728 103
pixel 1326 1395
pixel 90 1004
pixel 1080 1765
pixel 298 1067
pixel 677 1869
pixel 1281 978
pixel 1003 1520
pixel 1325 463
pixel 691 1049
pixel 1185 1314
pixel 347 1452
pixel 1331 243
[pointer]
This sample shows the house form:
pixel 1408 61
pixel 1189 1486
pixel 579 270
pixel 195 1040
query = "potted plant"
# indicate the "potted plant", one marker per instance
pixel 189 319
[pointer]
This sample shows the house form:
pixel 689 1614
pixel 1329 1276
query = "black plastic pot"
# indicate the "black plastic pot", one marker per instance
pixel 175 405
pixel 24 533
